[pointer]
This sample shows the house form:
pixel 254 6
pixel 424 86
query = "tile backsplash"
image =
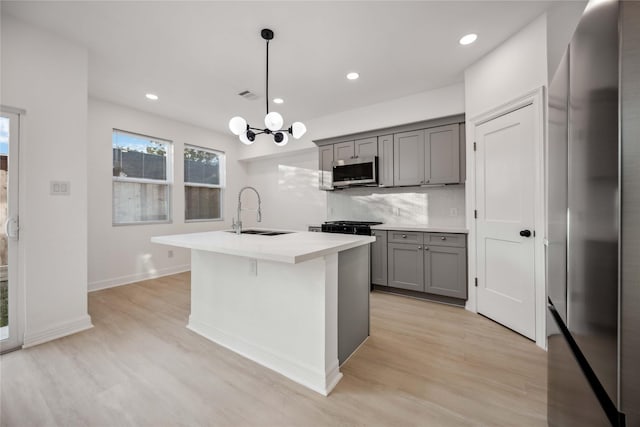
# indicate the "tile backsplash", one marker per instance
pixel 433 206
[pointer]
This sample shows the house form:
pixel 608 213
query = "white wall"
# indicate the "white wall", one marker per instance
pixel 288 186
pixel 124 254
pixel 514 68
pixel 432 104
pixel 432 206
pixel 47 76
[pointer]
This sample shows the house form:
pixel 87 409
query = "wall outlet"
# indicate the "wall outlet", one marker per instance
pixel 170 253
pixel 453 212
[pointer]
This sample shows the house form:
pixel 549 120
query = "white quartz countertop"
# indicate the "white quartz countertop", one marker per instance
pixel 422 228
pixel 292 248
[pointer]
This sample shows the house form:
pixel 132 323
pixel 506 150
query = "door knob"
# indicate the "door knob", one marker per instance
pixel 525 233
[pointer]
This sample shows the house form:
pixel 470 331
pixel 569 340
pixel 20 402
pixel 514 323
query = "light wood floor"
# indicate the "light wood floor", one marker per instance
pixel 425 364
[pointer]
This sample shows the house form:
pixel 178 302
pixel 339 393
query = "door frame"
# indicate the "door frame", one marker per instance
pixel 16 274
pixel 536 98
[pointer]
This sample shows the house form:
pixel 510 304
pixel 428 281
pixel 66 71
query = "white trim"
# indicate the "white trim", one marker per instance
pixel 132 278
pixel 280 363
pixel 60 330
pixel 13 110
pixel 536 98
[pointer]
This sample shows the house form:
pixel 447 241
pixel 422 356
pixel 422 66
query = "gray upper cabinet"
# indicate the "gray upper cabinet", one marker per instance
pixel 408 158
pixel 325 168
pixel 445 271
pixel 367 147
pixel 344 151
pixel 422 153
pixel 442 155
pixel 379 258
pixel 385 161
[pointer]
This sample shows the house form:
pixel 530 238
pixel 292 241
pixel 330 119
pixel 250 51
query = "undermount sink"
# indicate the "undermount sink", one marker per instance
pixel 262 232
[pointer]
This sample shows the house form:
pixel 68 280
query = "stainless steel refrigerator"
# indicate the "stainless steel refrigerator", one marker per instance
pixel 593 234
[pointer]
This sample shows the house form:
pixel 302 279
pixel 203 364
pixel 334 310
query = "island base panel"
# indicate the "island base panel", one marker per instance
pixel 282 316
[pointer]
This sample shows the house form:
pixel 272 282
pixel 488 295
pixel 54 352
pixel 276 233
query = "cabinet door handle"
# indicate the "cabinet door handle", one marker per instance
pixel 443 238
pixel 419 247
pixel 428 181
pixel 426 248
pixel 404 236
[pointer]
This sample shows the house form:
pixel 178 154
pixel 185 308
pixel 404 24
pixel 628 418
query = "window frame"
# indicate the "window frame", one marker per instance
pixel 168 182
pixel 223 181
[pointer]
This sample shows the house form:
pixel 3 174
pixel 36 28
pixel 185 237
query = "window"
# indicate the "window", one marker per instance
pixel 141 178
pixel 203 183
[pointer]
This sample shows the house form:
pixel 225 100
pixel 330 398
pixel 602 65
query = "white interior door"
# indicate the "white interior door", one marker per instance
pixel 505 191
pixel 10 327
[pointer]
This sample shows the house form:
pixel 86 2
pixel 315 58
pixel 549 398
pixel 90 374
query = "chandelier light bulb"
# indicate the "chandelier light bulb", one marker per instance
pixel 280 138
pixel 298 129
pixel 245 140
pixel 237 125
pixel 273 121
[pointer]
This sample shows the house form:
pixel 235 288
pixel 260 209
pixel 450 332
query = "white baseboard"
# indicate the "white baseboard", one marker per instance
pixel 321 382
pixel 58 331
pixel 132 278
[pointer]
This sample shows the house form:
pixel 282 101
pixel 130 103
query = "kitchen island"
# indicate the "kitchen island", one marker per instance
pixel 297 303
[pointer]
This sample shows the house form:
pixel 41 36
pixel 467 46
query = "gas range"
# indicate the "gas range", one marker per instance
pixel 349 227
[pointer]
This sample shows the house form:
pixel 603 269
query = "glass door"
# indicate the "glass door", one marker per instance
pixel 10 327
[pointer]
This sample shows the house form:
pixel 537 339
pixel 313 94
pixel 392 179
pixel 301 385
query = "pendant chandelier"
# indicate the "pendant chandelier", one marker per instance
pixel 273 121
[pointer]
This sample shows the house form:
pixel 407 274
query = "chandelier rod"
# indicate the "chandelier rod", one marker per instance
pixel 267 82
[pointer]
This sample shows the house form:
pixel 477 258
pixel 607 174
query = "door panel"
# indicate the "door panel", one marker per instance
pixel 406 266
pixel 10 328
pixel 408 158
pixel 442 155
pixel 385 161
pixel 326 167
pixel 367 147
pixel 343 151
pixel 445 270
pixel 505 201
pixel 379 258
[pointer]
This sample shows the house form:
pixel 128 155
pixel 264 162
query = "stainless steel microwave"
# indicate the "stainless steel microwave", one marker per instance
pixel 356 171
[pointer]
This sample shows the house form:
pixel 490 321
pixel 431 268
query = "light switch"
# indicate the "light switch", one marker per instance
pixel 60 188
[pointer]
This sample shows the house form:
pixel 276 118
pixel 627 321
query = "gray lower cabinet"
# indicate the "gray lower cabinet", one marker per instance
pixel 445 271
pixel 434 263
pixel 406 266
pixel 379 258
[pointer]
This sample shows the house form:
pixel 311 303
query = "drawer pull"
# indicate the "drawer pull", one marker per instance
pixel 404 236
pixel 419 247
pixel 426 248
pixel 443 238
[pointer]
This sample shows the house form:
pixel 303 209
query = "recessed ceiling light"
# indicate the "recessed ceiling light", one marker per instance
pixel 468 39
pixel 278 100
pixel 353 76
pixel 152 96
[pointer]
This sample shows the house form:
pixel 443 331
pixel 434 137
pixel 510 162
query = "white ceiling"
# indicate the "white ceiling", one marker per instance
pixel 197 56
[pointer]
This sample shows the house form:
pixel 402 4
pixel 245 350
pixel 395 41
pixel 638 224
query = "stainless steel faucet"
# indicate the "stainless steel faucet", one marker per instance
pixel 237 226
